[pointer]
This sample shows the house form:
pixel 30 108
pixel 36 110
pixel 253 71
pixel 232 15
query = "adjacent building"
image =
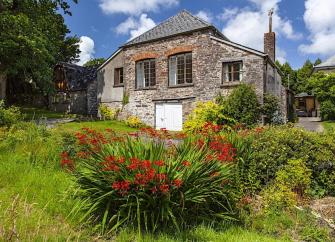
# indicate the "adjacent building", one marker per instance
pixel 76 89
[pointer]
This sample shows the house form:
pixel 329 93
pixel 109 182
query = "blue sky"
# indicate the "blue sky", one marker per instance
pixel 305 29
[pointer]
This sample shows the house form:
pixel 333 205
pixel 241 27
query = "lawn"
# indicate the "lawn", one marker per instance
pixel 329 126
pixel 97 125
pixel 32 113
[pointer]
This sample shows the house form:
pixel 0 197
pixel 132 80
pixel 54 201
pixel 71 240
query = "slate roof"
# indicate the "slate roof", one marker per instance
pixel 78 77
pixel 183 22
pixel 328 63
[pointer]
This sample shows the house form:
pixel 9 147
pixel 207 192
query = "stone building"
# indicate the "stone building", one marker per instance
pixel 166 70
pixel 76 89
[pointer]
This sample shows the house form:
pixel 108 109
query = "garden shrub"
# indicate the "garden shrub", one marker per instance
pixel 206 112
pixel 150 183
pixel 327 110
pixel 34 143
pixel 274 146
pixel 108 113
pixel 242 105
pixel 134 122
pixel 9 115
pixel 271 109
pixel 291 183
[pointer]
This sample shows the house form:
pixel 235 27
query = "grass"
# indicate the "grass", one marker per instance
pixel 97 125
pixel 34 205
pixel 329 126
pixel 32 113
pixel 201 233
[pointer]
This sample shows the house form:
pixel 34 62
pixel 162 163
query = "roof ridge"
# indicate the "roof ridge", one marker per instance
pixel 184 20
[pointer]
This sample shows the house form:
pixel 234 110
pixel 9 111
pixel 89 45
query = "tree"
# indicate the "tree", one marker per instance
pixel 297 80
pixel 33 38
pixel 317 62
pixel 289 75
pixel 323 87
pixel 95 62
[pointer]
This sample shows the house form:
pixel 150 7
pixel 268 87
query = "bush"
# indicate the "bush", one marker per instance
pixel 108 113
pixel 149 183
pixel 10 115
pixel 32 143
pixel 134 122
pixel 242 105
pixel 273 146
pixel 291 182
pixel 271 109
pixel 206 112
pixel 327 110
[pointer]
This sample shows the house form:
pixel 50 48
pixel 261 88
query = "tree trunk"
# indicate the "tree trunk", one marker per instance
pixel 3 84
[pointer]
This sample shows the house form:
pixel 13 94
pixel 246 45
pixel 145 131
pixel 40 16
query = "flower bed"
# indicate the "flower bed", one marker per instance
pixel 145 180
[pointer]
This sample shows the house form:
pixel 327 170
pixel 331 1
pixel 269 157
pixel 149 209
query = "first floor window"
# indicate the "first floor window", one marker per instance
pixel 232 71
pixel 145 73
pixel 180 69
pixel 118 76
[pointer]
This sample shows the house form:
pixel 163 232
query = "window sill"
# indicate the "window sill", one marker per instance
pixel 119 85
pixel 182 85
pixel 230 84
pixel 145 88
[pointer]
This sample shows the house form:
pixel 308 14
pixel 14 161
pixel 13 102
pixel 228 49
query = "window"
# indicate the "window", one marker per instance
pixel 118 76
pixel 232 72
pixel 145 73
pixel 180 69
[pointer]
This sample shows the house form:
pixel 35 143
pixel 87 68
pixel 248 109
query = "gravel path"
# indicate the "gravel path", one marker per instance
pixel 52 122
pixel 311 124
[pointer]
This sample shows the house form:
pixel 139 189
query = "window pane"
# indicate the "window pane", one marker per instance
pixel 172 71
pixel 139 75
pixel 116 76
pixel 180 69
pixel 232 72
pixel 189 68
pixel 121 75
pixel 152 81
pixel 236 76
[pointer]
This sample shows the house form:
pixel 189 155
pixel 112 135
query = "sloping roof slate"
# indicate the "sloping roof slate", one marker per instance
pixel 183 22
pixel 78 77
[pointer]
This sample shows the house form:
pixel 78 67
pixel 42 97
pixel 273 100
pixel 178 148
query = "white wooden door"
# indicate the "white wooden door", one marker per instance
pixel 169 116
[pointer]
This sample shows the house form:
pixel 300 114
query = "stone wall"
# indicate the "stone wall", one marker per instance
pixel 73 102
pixel 92 101
pixel 207 58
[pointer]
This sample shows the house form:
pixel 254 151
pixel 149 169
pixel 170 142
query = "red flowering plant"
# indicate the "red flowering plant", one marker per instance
pixel 141 182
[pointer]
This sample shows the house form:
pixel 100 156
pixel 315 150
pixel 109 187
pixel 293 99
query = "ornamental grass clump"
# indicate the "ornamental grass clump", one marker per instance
pixel 152 184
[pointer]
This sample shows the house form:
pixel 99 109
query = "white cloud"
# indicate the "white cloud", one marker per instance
pixel 126 26
pixel 228 13
pixel 319 19
pixel 205 15
pixel 86 47
pixel 135 26
pixel 247 26
pixel 135 7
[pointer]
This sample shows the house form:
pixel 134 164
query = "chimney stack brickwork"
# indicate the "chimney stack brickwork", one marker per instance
pixel 270 45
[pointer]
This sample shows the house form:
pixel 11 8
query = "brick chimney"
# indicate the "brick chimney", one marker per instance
pixel 270 40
